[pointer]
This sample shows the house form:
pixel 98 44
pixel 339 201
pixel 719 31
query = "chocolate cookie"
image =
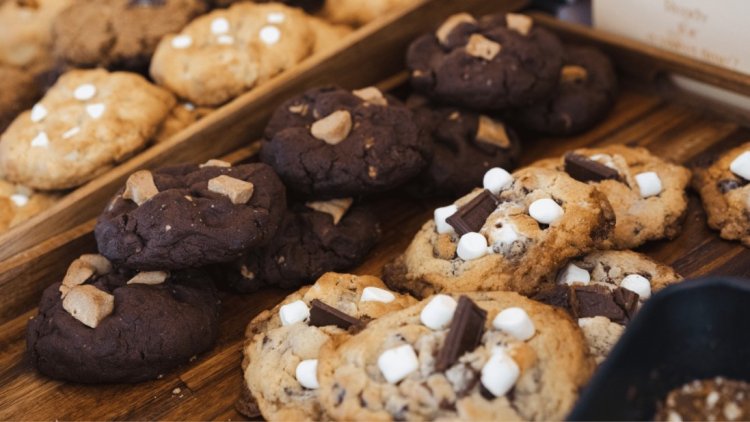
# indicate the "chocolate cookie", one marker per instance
pixel 585 94
pixel 190 216
pixel 465 146
pixel 18 91
pixel 105 325
pixel 717 399
pixel 308 244
pixel 498 62
pixel 330 142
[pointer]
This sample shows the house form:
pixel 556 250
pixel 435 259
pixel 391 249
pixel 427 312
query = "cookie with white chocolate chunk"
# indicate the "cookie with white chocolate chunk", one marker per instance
pixel 189 216
pixel 104 324
pixel 18 203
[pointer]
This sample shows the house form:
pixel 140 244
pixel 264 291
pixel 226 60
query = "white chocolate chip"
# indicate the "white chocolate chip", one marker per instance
pixel 741 165
pixel 333 128
pixel 182 41
pixel 40 141
pixel 376 294
pixel 84 92
pixel 19 200
pixel 95 110
pixel 371 95
pixel 496 179
pixel 140 187
pixel 649 183
pixel 438 312
pixel 149 277
pixel 519 23
pixel 572 273
pixel 471 246
pixel 573 73
pixel 88 304
pixel 307 374
pixel 492 132
pixel 238 191
pixel 637 283
pixel 270 34
pixel 336 208
pixel 215 163
pixel 225 39
pixel 516 322
pixel 38 113
pixel 99 263
pixel 294 312
pixel 500 373
pixel 78 273
pixel 275 17
pixel 397 363
pixel 71 132
pixel 219 26
pixel 300 109
pixel 482 47
pixel 441 214
pixel 545 211
pixel 450 24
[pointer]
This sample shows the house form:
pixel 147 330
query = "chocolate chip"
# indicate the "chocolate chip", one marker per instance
pixel 726 185
pixel 627 300
pixel 464 334
pixel 585 169
pixel 595 301
pixel 556 295
pixel 322 315
pixel 146 3
pixel 472 216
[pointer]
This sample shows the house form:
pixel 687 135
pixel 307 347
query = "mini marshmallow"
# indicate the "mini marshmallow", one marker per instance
pixel 84 92
pixel 41 140
pixel 397 363
pixel 648 183
pixel 442 214
pixel 270 34
pixel 637 283
pixel 516 322
pixel 500 373
pixel 741 165
pixel 496 179
pixel 182 41
pixel 95 110
pixel 472 245
pixel 19 200
pixel 438 312
pixel 294 312
pixel 503 236
pixel 545 211
pixel 71 132
pixel 376 294
pixel 307 374
pixel 38 113
pixel 573 274
pixel 219 26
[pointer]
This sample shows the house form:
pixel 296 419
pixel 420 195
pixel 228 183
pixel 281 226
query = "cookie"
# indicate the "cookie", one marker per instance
pixel 189 216
pixel 180 117
pixel 309 6
pixel 108 325
pixel 482 356
pixel 355 12
pixel 508 236
pixel 308 244
pixel 18 92
pixel 118 34
pixel 465 145
pixel 327 36
pixel 329 142
pixel 227 52
pixel 19 203
pixel 647 193
pixel 497 62
pixel 724 190
pixel 89 121
pixel 603 290
pixel 283 343
pixel 585 94
pixel 717 399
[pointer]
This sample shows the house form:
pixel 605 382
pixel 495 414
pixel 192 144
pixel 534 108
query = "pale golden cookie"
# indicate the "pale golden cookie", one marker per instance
pixel 357 12
pixel 19 203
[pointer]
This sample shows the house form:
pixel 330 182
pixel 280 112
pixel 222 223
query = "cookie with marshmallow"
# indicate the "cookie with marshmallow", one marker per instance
pixel 388 370
pixel 283 346
pixel 507 236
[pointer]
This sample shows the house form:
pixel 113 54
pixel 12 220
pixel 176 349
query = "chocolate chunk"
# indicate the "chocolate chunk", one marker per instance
pixel 472 216
pixel 595 301
pixel 464 334
pixel 558 295
pixel 322 314
pixel 585 169
pixel 146 3
pixel 627 300
pixel 726 185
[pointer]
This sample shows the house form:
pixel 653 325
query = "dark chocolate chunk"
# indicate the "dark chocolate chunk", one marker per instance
pixel 627 300
pixel 585 169
pixel 472 216
pixel 322 314
pixel 558 295
pixel 727 185
pixel 464 334
pixel 595 301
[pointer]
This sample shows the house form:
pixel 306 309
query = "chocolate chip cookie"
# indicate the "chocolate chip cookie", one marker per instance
pixel 108 325
pixel 585 94
pixel 189 216
pixel 18 92
pixel 330 142
pixel 647 193
pixel 493 63
pixel 717 399
pixel 479 356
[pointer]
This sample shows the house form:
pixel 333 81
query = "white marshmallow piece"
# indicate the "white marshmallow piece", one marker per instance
pixel 182 41
pixel 38 113
pixel 294 312
pixel 95 110
pixel 472 245
pixel 84 92
pixel 573 274
pixel 270 34
pixel 503 236
pixel 637 283
pixel 376 294
pixel 219 26
pixel 19 199
pixel 438 312
pixel 496 179
pixel 741 165
pixel 41 140
pixel 500 373
pixel 545 211
pixel 307 374
pixel 397 363
pixel 648 183
pixel 516 322
pixel 442 214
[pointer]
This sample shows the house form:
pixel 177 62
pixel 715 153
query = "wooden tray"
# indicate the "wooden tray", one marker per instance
pixel 208 388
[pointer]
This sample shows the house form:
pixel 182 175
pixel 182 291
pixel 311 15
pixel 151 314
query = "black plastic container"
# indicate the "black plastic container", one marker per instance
pixel 692 330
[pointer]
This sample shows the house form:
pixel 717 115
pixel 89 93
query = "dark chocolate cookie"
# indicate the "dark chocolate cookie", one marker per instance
pixel 151 329
pixel 586 93
pixel 331 143
pixel 118 34
pixel 498 62
pixel 18 91
pixel 307 245
pixel 190 216
pixel 465 146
